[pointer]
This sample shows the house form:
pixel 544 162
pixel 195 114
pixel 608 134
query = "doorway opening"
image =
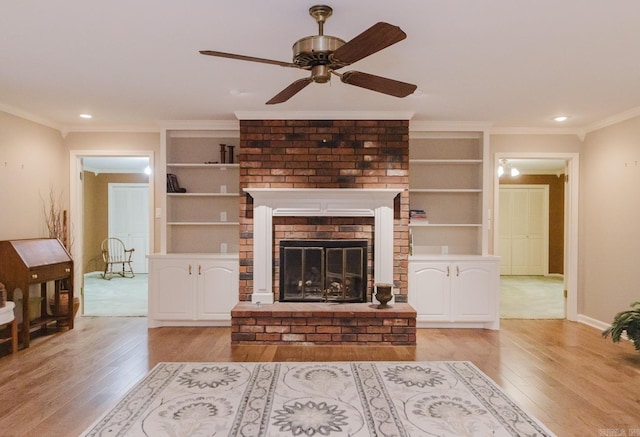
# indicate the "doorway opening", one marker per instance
pixel 526 290
pixel 111 195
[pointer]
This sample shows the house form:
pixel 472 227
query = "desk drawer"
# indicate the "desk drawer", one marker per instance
pixel 50 273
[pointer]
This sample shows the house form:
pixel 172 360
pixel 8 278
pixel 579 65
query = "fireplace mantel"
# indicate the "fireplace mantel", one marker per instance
pixel 325 202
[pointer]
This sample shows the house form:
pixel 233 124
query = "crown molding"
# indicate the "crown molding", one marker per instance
pixel 230 125
pixel 30 117
pixel 66 130
pixel 617 118
pixel 324 115
pixel 580 133
pixel 453 126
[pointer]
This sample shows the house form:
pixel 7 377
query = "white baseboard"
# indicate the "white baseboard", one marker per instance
pixel 594 323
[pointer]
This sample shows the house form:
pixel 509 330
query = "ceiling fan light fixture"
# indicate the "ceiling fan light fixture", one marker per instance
pixel 321 73
pixel 323 54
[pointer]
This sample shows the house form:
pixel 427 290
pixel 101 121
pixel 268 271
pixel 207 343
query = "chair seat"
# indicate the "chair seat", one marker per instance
pixel 114 252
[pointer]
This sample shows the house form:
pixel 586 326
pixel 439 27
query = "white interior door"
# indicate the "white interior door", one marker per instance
pixel 524 223
pixel 129 220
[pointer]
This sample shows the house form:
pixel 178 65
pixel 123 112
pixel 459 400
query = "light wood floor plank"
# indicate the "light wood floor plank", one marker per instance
pixel 563 373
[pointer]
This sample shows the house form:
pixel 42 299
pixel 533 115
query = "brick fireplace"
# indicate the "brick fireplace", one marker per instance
pixel 323 179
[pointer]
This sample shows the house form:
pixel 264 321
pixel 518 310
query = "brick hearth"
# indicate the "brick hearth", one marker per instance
pixel 323 323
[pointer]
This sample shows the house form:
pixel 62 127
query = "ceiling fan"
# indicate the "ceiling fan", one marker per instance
pixel 323 55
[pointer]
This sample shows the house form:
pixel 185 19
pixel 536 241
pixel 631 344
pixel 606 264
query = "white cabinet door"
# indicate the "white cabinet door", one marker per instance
pixel 474 291
pixel 463 292
pixel 191 290
pixel 172 289
pixel 217 289
pixel 429 290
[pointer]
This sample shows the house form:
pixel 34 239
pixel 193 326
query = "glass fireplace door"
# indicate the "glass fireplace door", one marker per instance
pixel 315 271
pixel 303 279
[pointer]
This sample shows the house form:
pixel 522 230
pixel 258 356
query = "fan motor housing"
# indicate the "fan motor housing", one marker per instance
pixel 316 50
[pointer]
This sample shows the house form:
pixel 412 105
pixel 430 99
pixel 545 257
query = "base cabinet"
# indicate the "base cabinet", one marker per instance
pixel 186 291
pixel 455 292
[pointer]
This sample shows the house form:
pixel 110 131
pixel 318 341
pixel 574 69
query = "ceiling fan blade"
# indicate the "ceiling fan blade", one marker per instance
pixel 372 40
pixel 377 83
pixel 246 58
pixel 290 91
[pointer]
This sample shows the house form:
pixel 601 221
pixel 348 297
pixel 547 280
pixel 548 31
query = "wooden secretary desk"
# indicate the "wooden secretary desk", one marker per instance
pixel 37 261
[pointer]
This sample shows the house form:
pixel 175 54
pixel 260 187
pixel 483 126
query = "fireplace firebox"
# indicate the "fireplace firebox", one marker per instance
pixel 323 270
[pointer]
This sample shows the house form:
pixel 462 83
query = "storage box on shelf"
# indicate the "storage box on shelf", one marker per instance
pixel 200 232
pixel 448 182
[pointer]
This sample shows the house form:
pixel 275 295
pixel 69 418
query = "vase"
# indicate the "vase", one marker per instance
pixel 384 294
pixel 62 309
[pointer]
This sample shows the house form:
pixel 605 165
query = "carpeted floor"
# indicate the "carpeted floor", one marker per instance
pixel 532 297
pixel 116 297
pixel 358 399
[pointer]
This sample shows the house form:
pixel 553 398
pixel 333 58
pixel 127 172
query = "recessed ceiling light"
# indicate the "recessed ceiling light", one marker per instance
pixel 560 118
pixel 86 116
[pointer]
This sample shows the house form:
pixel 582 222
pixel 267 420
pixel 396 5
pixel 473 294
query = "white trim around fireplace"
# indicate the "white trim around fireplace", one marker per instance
pixel 319 202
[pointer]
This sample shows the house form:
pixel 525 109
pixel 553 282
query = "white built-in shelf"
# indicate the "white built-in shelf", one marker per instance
pixel 203 165
pixel 204 194
pixel 203 223
pixel 445 161
pixel 443 225
pixel 445 190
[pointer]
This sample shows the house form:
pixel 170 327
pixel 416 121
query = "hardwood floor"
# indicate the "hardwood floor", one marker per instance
pixel 563 373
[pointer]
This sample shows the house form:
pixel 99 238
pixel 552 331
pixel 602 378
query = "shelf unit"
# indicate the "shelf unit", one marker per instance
pixel 193 281
pixel 446 180
pixel 453 281
pixel 204 220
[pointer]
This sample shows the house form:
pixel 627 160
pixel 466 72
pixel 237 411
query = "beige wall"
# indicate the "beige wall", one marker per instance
pixel 32 162
pixel 609 220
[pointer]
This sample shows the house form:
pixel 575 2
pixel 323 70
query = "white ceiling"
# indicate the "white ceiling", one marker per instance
pixel 115 164
pixel 510 63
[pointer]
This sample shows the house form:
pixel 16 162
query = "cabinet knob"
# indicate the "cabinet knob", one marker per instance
pixel 448 271
pixel 457 270
pixel 189 268
pixel 199 269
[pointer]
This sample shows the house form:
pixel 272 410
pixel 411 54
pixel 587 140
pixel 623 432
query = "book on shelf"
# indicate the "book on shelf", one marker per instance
pixel 418 215
pixel 172 184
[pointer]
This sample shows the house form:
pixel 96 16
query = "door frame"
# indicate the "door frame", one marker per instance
pixel 570 218
pixel 76 205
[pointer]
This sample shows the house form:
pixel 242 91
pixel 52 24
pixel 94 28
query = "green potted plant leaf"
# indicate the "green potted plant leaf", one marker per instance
pixel 626 322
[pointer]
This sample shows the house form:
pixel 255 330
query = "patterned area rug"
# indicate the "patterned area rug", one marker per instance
pixel 446 398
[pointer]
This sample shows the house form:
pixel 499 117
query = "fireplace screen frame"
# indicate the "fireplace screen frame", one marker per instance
pixel 326 285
